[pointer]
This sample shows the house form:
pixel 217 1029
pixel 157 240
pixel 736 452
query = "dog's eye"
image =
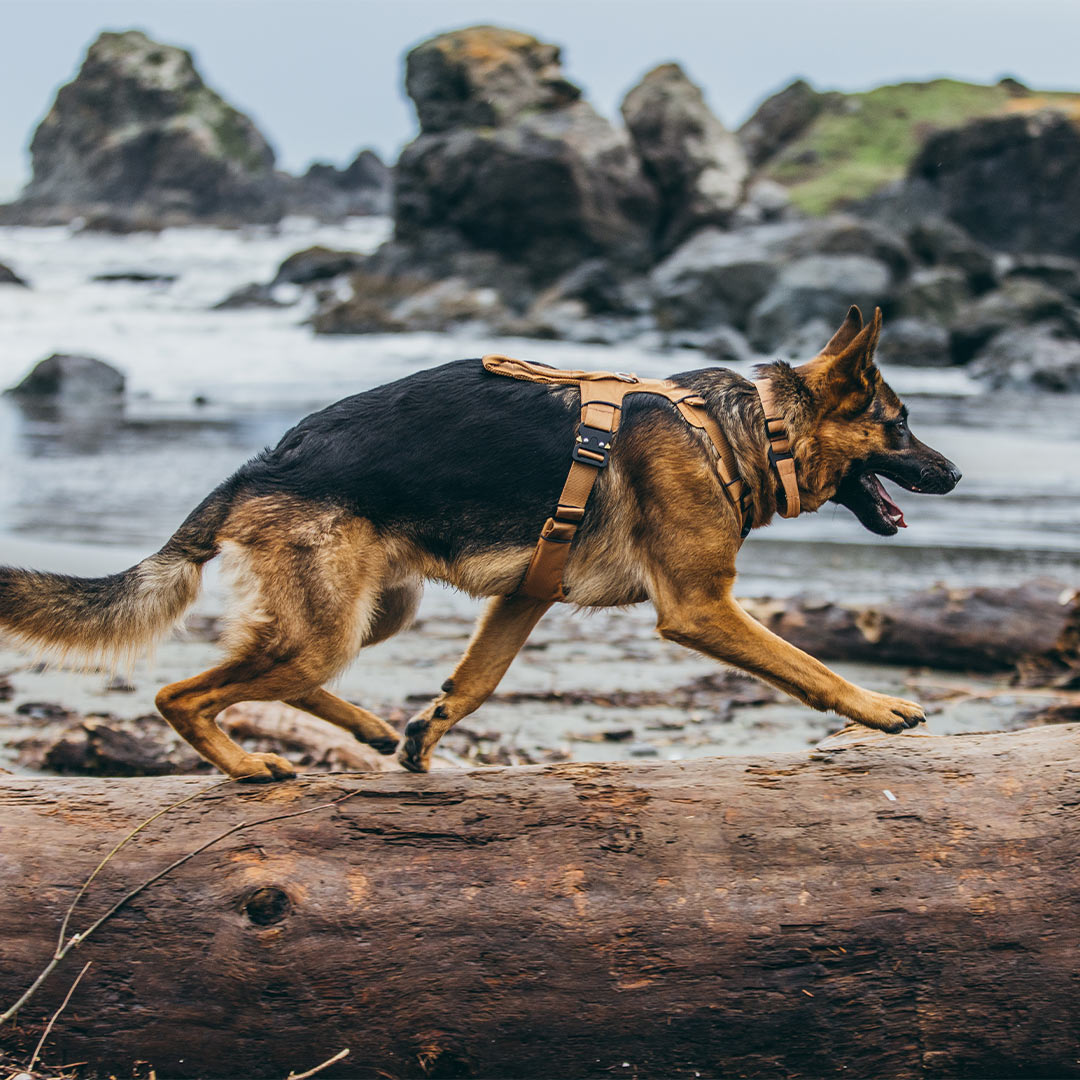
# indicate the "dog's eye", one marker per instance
pixel 899 426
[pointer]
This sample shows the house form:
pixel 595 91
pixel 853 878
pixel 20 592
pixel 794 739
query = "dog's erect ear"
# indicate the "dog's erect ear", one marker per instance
pixel 846 334
pixel 845 381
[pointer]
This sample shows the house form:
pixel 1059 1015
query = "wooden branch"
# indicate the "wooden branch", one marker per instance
pixel 1034 628
pixel 881 906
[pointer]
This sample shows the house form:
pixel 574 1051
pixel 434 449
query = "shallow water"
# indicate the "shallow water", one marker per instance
pixel 130 481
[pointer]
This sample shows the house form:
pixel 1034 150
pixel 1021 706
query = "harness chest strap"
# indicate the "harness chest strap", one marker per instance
pixel 602 395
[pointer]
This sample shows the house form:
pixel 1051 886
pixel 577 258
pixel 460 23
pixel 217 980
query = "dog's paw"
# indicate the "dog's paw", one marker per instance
pixel 411 753
pixel 885 713
pixel 381 744
pixel 262 769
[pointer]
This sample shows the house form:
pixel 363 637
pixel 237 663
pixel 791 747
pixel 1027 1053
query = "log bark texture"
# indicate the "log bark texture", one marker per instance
pixel 1033 628
pixel 904 906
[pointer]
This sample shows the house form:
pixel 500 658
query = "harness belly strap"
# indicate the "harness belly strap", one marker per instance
pixel 602 395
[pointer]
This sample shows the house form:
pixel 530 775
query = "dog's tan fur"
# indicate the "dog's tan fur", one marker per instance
pixel 316 583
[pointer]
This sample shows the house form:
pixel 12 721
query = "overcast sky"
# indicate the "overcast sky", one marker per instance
pixel 322 78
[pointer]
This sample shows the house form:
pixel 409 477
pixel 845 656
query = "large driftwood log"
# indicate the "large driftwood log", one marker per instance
pixel 1034 628
pixel 890 906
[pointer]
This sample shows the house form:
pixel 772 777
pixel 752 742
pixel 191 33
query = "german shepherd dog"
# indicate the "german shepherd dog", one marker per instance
pixel 449 474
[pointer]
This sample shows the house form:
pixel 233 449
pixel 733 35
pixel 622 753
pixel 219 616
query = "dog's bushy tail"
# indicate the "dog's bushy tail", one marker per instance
pixel 112 619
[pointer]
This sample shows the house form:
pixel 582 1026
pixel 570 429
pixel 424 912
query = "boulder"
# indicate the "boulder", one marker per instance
pixel 716 277
pixel 778 119
pixel 363 188
pixel 249 296
pixel 843 234
pixel 510 161
pixel 764 200
pixel 804 341
pixel 603 288
pixel 817 287
pixel 935 293
pixel 1010 180
pixel 938 242
pixel 1056 271
pixel 136 277
pixel 139 131
pixel 484 76
pixel 113 222
pixel 914 342
pixel 1031 358
pixel 393 303
pixel 1020 302
pixel 9 277
pixel 74 379
pixel 725 346
pixel 316 264
pixel 695 163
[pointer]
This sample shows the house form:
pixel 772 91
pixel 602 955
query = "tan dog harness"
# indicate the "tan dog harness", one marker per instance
pixel 780 455
pixel 602 394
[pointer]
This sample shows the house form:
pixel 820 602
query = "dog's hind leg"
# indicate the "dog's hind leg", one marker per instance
pixel 396 609
pixel 310 577
pixel 365 726
pixel 503 628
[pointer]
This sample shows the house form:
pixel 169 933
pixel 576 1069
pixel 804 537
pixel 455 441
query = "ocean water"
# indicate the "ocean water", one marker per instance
pixel 207 389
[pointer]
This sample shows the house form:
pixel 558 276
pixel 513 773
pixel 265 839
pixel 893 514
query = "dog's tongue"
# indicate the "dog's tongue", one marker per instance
pixel 894 511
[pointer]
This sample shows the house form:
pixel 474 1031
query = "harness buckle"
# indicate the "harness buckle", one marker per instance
pixel 592 446
pixel 774 457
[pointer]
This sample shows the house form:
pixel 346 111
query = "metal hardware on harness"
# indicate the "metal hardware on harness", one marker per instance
pixel 602 394
pixel 592 446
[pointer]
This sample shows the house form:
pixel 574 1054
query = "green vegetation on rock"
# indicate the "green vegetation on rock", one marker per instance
pixel 860 142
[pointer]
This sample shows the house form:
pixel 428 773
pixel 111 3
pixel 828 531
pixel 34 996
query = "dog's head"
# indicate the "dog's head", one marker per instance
pixel 849 428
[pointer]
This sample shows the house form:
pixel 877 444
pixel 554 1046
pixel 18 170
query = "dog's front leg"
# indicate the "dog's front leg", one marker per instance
pixel 503 628
pixel 712 622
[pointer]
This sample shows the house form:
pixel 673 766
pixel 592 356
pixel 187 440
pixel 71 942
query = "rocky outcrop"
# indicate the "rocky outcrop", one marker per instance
pixel 1042 356
pixel 316 264
pixel 484 76
pixel 510 160
pixel 9 277
pixel 779 118
pixel 696 164
pixel 1010 180
pixel 138 132
pixel 772 279
pixel 70 379
pixel 363 188
pixel 914 342
pixel 1018 303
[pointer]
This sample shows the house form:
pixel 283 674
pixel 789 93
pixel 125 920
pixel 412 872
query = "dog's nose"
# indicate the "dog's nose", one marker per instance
pixel 955 474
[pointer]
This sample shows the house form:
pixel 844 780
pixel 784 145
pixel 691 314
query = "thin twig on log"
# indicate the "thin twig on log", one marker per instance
pixel 52 1019
pixel 339 1056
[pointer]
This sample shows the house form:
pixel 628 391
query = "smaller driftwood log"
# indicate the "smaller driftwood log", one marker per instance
pixel 1033 628
pixel 881 906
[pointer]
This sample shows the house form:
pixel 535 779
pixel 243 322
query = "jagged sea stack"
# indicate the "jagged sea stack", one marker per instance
pixel 510 159
pixel 138 132
pixel 697 165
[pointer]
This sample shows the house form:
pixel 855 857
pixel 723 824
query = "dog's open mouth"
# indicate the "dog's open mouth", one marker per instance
pixel 865 496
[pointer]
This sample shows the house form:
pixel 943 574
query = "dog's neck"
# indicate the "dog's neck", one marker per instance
pixel 734 404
